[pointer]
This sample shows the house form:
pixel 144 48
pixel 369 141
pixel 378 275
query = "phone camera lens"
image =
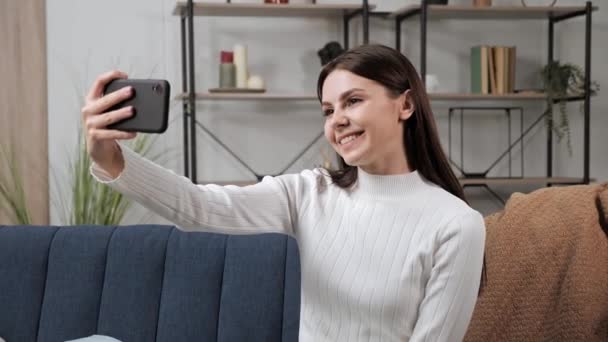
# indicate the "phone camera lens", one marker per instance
pixel 157 88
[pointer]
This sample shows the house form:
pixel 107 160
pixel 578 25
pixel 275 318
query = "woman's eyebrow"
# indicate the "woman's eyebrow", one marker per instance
pixel 344 95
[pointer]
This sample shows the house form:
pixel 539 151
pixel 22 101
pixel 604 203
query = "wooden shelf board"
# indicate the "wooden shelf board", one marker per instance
pixel 496 97
pixel 491 12
pixel 206 96
pixel 307 97
pixel 478 97
pixel 520 181
pixel 266 10
pixel 250 96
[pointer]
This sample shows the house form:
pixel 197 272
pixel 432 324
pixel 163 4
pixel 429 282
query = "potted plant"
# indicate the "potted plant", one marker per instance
pixel 91 202
pixel 13 201
pixel 559 82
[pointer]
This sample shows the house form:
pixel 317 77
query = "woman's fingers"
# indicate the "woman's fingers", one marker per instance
pixel 96 90
pixel 110 134
pixel 106 119
pixel 101 142
pixel 102 104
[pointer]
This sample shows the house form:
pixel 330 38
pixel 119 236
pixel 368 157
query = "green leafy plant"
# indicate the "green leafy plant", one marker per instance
pixel 13 201
pixel 559 82
pixel 93 202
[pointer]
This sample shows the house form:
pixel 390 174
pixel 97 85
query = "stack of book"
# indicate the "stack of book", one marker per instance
pixel 492 69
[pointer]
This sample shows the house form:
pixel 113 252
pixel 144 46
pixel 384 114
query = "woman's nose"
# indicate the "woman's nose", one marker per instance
pixel 339 119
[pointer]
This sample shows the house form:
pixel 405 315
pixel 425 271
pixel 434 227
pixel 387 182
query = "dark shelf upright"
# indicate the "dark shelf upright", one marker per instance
pixel 551 40
pixel 185 103
pixel 424 8
pixel 347 17
pixel 188 87
pixel 191 92
pixel 587 104
pixel 587 12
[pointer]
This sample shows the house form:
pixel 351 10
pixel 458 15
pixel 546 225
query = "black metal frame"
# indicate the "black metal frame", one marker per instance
pixel 189 102
pixel 510 144
pixel 553 19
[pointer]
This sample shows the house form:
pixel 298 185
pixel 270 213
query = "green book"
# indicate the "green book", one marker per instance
pixel 476 69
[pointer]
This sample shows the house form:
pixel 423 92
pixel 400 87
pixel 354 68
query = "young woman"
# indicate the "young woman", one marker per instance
pixel 390 251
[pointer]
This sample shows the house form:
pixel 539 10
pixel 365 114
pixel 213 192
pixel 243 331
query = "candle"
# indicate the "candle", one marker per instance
pixel 240 62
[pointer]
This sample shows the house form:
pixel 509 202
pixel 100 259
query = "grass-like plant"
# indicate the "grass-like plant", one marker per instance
pixel 13 200
pixel 93 202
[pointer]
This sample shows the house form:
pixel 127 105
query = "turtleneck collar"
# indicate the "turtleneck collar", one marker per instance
pixel 389 186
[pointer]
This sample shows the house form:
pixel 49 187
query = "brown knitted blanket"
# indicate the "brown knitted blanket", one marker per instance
pixel 547 268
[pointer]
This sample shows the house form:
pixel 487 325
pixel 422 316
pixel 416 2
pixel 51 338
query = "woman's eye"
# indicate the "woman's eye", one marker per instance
pixel 328 112
pixel 352 101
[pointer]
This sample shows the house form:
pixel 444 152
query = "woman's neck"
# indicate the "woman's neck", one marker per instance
pixel 387 186
pixel 392 168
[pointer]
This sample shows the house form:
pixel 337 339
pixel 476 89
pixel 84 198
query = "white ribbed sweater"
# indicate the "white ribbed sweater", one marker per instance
pixel 396 258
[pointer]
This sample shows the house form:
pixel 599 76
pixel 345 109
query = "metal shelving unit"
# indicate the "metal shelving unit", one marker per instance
pixel 554 15
pixel 187 10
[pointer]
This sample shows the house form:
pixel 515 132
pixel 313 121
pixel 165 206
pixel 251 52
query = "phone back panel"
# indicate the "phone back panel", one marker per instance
pixel 150 101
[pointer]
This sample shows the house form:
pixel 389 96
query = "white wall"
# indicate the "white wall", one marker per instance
pixel 86 38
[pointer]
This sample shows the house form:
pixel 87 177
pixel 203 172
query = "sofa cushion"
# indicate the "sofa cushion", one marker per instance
pixel 244 288
pixel 232 289
pixel 147 283
pixel 76 269
pixel 193 282
pixel 24 255
pixel 133 283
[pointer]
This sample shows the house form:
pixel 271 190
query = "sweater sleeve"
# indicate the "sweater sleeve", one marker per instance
pixel 270 206
pixel 452 289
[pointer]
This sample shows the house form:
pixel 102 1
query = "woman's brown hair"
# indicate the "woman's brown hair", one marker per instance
pixel 423 149
pixel 420 138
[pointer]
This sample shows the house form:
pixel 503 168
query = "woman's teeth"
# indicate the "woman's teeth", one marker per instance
pixel 349 138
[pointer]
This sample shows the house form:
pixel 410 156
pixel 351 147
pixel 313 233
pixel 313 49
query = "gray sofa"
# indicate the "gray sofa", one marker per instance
pixel 147 283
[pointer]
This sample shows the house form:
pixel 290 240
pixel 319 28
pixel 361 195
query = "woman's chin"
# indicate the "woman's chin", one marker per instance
pixel 352 160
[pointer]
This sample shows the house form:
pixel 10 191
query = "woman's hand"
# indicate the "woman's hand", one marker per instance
pixel 101 141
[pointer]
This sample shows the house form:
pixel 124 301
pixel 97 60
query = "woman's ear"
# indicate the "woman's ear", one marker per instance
pixel 407 105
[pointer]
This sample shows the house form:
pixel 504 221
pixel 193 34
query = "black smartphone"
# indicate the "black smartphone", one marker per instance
pixel 150 101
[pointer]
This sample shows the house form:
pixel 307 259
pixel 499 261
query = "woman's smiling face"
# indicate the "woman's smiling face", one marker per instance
pixel 364 123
